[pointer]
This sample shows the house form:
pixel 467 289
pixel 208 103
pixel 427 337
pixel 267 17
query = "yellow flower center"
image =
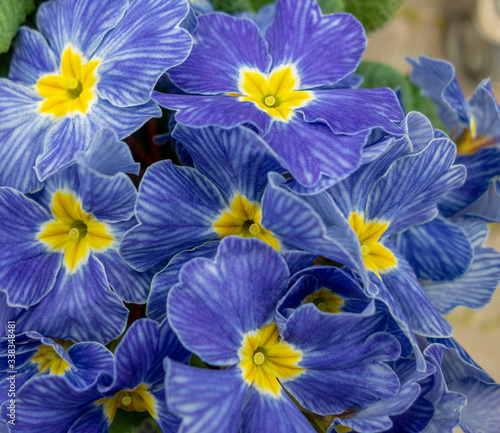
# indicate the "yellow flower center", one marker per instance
pixel 73 231
pixel 375 256
pixel 325 301
pixel 137 400
pixel 243 219
pixel 264 359
pixel 73 89
pixel 275 94
pixel 48 359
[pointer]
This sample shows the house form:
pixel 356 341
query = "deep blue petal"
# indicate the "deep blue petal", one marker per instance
pixel 216 303
pixel 142 46
pixel 176 209
pixel 223 45
pixel 28 269
pixel 207 400
pixel 324 49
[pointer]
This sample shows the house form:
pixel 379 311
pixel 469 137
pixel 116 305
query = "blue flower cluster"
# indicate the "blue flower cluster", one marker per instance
pixel 295 266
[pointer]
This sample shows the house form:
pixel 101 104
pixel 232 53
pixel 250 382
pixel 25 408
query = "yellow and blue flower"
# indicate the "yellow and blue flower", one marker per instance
pixel 223 310
pixel 92 65
pixel 179 208
pixel 135 384
pixel 352 221
pixel 281 85
pixel 61 247
pixel 475 126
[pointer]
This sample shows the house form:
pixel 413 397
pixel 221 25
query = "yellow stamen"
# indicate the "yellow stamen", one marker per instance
pixel 375 255
pixel 264 359
pixel 325 301
pixel 72 90
pixel 275 94
pixel 270 101
pixel 72 230
pixel 259 358
pixel 243 219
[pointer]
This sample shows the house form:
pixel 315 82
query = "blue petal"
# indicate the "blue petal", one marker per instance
pixel 80 307
pixel 108 198
pixel 168 345
pixel 207 400
pixel 164 280
pixel 482 167
pixel 32 58
pixel 351 111
pixel 80 23
pixel 50 401
pixel 414 420
pixel 437 250
pixel 353 192
pixel 421 180
pixel 89 360
pixel 384 295
pixel 130 285
pixel 473 289
pixel 135 356
pixel 223 111
pixel 22 132
pixel 480 414
pixel 106 143
pixel 166 420
pixel 340 372
pixel 324 49
pixel 94 421
pixel 486 207
pixel 485 110
pixel 310 150
pixel 437 80
pixel 414 301
pixel 419 130
pixel 235 160
pixel 176 209
pixel 297 223
pixel 264 413
pixel 143 45
pixel 457 363
pixel 234 295
pixel 74 134
pixel 222 46
pixel 27 269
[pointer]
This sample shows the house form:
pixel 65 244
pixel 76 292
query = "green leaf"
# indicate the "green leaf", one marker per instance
pixel 232 6
pixel 377 75
pixel 12 15
pixel 133 422
pixel 4 63
pixel 331 6
pixel 373 14
pixel 257 4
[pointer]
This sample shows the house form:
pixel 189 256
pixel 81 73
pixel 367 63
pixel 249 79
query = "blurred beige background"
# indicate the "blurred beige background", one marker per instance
pixel 467 32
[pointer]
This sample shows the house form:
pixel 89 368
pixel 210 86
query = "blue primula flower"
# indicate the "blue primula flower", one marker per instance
pixel 179 208
pixel 61 247
pixel 224 312
pixel 454 266
pixel 475 126
pixel 36 355
pixel 51 403
pixel 351 222
pixel 93 64
pixel 280 84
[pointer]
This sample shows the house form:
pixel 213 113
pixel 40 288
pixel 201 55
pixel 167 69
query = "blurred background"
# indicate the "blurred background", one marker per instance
pixel 466 32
